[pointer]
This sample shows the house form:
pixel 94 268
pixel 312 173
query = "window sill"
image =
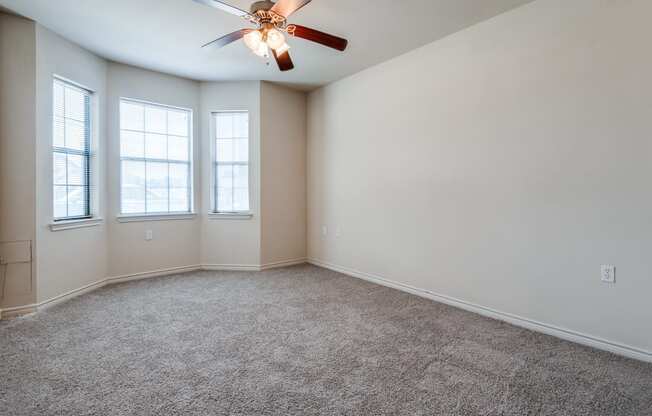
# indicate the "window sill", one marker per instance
pixel 156 217
pixel 72 224
pixel 230 216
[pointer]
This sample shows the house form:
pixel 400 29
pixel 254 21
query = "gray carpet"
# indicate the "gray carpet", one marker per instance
pixel 296 341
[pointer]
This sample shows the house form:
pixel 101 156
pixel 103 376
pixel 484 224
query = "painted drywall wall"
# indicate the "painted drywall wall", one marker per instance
pixel 72 259
pixel 501 166
pixel 230 242
pixel 175 243
pixel 283 174
pixel 17 154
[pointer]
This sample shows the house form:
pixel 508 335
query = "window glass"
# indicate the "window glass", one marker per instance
pixel 231 161
pixel 155 153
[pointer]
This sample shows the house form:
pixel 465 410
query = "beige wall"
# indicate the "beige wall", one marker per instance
pixel 283 178
pixel 17 153
pixel 230 242
pixel 67 260
pixel 175 243
pixel 500 166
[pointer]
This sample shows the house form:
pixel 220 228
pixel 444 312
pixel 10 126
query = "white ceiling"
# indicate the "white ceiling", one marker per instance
pixel 166 35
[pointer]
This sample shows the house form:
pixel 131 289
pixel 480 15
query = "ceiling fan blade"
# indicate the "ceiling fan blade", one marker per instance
pixel 283 60
pixel 318 37
pixel 226 39
pixel 225 7
pixel 286 7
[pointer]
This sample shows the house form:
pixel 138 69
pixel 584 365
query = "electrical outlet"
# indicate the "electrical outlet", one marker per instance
pixel 338 232
pixel 608 273
pixel 149 236
pixel 324 231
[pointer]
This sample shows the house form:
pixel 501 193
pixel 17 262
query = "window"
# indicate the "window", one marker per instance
pixel 231 162
pixel 71 151
pixel 155 157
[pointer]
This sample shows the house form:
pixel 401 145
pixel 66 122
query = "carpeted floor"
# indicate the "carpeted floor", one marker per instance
pixel 296 341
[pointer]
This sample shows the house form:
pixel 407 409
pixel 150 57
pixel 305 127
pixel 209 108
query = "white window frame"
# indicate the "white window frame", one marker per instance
pixel 213 212
pixel 91 217
pixel 156 216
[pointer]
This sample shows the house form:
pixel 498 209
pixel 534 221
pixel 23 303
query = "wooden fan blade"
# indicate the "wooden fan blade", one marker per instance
pixel 283 60
pixel 286 7
pixel 318 37
pixel 226 39
pixel 224 7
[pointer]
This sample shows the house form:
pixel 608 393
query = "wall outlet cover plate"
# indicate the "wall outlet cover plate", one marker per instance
pixel 608 273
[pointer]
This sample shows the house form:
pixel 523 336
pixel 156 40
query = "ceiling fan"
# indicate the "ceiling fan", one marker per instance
pixel 271 21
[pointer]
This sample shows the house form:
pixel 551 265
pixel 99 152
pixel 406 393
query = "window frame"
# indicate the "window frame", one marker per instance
pixel 87 154
pixel 213 211
pixel 129 217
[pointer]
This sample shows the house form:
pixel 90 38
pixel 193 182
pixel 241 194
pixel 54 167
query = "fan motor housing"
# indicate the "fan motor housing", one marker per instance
pixel 264 5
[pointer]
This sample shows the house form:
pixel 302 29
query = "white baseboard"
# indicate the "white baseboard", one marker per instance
pixel 565 334
pixel 69 295
pixel 232 267
pixel 284 263
pixel 16 311
pixel 548 329
pixel 31 308
pixel 152 273
pixel 254 267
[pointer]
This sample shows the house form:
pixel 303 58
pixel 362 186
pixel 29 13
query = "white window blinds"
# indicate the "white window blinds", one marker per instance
pixel 71 142
pixel 156 158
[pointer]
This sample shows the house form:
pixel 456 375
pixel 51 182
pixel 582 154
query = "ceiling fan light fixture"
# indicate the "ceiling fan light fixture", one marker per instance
pixel 254 40
pixel 275 39
pixel 272 28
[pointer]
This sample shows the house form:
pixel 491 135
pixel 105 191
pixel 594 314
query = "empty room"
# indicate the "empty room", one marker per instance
pixel 325 207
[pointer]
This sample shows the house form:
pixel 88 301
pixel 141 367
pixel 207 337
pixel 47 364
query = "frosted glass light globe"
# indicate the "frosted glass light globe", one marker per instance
pixel 275 39
pixel 253 40
pixel 262 50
